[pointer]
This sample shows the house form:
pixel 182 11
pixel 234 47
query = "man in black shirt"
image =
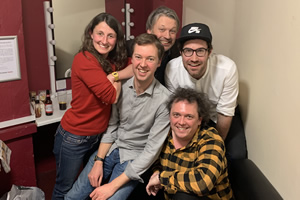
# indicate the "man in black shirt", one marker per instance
pixel 164 23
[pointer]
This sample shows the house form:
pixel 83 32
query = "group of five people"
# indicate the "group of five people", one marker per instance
pixel 146 112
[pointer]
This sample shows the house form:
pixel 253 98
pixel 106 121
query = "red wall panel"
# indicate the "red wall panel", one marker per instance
pixel 36 45
pixel 19 140
pixel 14 101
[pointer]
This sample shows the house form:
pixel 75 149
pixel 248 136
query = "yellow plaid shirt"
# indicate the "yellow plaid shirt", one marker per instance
pixel 199 168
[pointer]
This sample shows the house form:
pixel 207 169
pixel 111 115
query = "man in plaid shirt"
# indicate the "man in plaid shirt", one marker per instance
pixel 192 163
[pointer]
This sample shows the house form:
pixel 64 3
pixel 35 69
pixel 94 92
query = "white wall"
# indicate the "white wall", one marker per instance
pixel 263 37
pixel 70 18
pixel 218 15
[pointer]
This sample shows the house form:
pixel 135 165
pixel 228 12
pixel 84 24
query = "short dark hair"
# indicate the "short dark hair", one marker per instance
pixel 191 95
pixel 146 38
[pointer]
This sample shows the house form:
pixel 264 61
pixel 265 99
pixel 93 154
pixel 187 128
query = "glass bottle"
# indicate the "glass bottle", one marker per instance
pixel 37 107
pixel 48 104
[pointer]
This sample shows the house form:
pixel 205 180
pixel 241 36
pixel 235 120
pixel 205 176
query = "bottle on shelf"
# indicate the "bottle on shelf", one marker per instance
pixel 37 107
pixel 48 104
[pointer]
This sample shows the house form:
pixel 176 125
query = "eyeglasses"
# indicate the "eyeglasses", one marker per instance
pixel 188 52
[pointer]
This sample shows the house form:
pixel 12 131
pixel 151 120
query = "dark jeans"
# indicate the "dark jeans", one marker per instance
pixel 70 153
pixel 235 141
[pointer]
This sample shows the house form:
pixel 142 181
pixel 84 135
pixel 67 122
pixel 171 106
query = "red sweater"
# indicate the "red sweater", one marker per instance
pixel 92 96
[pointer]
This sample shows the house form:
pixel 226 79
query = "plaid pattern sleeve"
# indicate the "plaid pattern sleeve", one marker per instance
pixel 199 168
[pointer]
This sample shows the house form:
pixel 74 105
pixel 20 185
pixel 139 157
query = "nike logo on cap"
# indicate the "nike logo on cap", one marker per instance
pixel 194 29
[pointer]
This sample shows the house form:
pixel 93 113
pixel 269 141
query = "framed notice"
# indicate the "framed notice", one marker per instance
pixel 9 59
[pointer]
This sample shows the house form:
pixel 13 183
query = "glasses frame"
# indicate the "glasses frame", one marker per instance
pixel 204 50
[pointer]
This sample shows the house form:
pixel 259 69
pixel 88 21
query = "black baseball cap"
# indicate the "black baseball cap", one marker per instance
pixel 195 31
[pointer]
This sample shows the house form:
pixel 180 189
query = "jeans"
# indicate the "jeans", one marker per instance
pixel 112 168
pixel 70 153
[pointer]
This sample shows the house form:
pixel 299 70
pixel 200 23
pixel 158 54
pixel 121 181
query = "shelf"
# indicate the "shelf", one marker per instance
pixel 57 114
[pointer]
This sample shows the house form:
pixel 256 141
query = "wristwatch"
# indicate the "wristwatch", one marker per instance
pixel 98 158
pixel 115 75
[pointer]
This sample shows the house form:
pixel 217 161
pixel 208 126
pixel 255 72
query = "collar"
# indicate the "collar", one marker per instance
pixel 194 140
pixel 207 68
pixel 149 90
pixel 167 53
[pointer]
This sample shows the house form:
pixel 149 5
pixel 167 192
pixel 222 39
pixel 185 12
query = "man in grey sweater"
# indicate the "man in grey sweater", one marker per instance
pixel 137 129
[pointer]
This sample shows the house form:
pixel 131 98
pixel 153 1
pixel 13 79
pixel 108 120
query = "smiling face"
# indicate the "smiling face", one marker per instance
pixel 184 121
pixel 165 28
pixel 195 65
pixel 104 38
pixel 144 63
